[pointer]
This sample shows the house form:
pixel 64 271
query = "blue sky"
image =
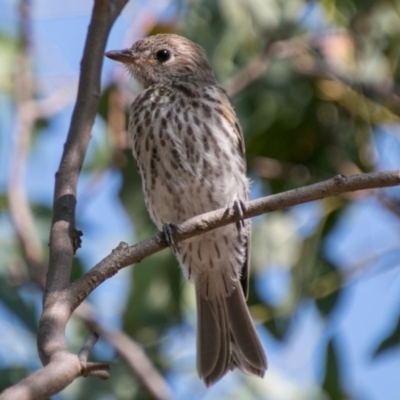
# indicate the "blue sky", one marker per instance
pixel 367 232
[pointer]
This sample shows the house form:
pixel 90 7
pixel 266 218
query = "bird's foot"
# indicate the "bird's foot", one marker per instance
pixel 168 230
pixel 239 207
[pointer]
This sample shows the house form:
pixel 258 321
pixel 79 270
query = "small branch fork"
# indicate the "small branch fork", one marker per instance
pixel 95 369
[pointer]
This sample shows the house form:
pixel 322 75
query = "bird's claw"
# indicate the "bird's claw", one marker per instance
pixel 168 235
pixel 239 207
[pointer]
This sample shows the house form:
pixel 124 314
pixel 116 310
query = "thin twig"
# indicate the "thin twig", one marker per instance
pixel 391 204
pixel 382 94
pixel 133 354
pixel 28 110
pixel 19 207
pixel 259 66
pixel 90 341
pixel 95 370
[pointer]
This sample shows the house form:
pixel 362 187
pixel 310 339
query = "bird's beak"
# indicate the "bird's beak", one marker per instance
pixel 124 56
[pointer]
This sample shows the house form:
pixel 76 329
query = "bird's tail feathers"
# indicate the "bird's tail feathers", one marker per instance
pixel 226 335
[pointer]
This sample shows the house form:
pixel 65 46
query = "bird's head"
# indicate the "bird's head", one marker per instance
pixel 165 58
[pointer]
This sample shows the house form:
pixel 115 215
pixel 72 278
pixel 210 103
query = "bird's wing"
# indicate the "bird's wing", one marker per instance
pixel 229 114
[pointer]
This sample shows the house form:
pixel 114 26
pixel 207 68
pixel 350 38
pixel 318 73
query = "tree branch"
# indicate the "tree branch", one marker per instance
pixel 47 381
pixel 62 243
pixel 125 255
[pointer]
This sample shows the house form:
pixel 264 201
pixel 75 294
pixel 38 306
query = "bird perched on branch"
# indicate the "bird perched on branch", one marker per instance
pixel 189 149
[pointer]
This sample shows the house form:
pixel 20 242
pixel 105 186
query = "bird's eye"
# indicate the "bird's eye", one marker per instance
pixel 163 55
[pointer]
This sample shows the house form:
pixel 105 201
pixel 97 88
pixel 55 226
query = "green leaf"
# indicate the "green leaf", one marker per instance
pixel 279 327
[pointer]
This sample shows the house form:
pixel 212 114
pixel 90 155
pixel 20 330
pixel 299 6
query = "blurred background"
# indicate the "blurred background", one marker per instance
pixel 316 88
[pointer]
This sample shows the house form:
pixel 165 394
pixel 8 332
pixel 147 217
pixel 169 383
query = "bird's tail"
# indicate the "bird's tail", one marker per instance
pixel 226 335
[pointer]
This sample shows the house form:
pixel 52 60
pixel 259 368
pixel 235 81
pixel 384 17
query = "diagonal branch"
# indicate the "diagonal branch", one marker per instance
pixel 61 246
pixel 125 255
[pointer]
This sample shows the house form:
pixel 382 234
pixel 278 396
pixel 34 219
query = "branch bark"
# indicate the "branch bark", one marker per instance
pixel 56 312
pixel 125 255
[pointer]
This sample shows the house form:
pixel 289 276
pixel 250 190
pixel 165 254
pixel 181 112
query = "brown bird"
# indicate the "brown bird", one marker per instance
pixel 189 149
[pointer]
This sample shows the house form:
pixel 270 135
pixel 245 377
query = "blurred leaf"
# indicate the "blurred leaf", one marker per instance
pixel 100 155
pixel 40 125
pixel 335 208
pixel 42 215
pixel 327 289
pixel 332 383
pixel 3 202
pixel 11 298
pixel 390 342
pixel 314 276
pixel 10 376
pixel 279 327
pixel 104 101
pixel 8 50
pixel 77 269
pixel 306 269
pixel 42 211
pixel 275 242
pixel 154 301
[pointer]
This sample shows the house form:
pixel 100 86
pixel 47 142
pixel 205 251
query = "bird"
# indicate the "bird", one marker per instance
pixel 189 150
